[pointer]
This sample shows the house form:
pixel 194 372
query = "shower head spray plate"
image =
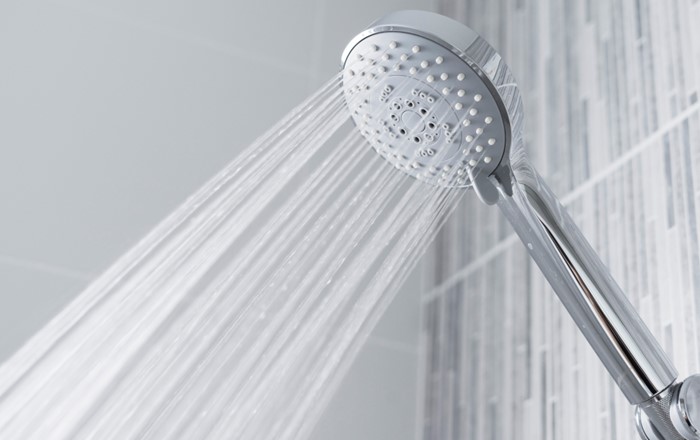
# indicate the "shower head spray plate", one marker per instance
pixel 423 102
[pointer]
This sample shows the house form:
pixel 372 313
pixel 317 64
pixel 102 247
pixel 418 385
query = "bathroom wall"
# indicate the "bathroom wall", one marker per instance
pixel 613 123
pixel 113 112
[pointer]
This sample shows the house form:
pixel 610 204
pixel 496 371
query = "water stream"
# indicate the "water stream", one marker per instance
pixel 237 316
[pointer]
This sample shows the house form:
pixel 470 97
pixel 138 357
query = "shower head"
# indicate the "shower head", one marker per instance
pixel 434 99
pixel 437 102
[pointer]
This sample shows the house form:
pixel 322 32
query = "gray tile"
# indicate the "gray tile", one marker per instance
pixel 28 299
pixel 356 16
pixel 400 324
pixel 114 112
pixel 106 129
pixel 278 33
pixel 8 9
pixel 376 400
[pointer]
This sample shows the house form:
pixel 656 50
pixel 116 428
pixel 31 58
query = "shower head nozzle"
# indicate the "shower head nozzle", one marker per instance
pixel 433 98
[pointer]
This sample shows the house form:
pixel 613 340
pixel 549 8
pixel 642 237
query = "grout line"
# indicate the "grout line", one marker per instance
pixel 393 345
pixel 581 189
pixel 630 154
pixel 45 267
pixel 473 266
pixel 196 40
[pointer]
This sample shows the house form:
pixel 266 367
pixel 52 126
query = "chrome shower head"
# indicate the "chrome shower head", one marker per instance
pixel 433 98
pixel 436 101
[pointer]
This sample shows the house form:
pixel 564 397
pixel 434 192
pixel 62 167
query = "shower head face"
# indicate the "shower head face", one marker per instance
pixel 427 106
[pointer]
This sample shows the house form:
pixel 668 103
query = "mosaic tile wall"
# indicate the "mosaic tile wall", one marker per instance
pixel 613 122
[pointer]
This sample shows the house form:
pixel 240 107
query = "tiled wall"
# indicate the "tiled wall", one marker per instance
pixel 613 122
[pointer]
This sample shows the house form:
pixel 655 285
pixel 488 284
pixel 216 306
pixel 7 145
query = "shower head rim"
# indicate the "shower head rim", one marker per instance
pixel 400 21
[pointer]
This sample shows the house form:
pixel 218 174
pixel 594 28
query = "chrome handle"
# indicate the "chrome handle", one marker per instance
pixel 666 409
pixel 585 287
pixel 603 313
